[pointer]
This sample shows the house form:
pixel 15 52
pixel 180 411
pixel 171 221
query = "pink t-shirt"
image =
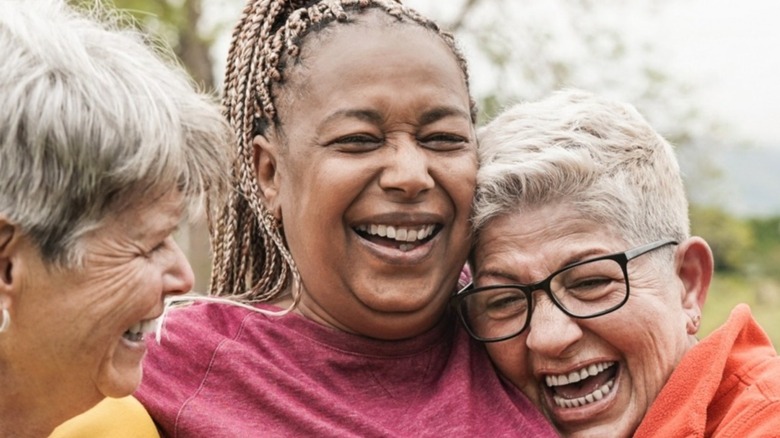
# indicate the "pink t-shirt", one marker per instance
pixel 223 371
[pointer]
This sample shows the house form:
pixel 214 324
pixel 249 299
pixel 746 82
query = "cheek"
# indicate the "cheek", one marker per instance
pixel 127 294
pixel 650 342
pixel 328 187
pixel 510 358
pixel 458 178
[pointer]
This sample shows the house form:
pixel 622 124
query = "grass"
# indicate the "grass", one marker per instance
pixel 761 294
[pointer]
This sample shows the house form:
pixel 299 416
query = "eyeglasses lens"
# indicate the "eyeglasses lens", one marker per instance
pixel 585 290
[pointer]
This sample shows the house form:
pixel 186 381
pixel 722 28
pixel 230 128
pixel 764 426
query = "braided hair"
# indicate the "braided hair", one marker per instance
pixel 251 260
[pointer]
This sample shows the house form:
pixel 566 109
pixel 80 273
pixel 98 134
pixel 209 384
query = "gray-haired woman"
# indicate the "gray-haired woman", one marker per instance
pixel 589 289
pixel 104 149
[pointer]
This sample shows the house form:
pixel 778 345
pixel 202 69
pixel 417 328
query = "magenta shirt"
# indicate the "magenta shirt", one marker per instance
pixel 223 371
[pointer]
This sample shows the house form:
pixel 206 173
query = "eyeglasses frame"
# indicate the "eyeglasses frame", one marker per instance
pixel 622 258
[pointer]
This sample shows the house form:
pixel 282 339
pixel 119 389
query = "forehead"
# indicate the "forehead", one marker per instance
pixel 145 218
pixel 372 51
pixel 365 28
pixel 551 236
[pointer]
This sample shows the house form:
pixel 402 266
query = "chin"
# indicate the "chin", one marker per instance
pixel 120 382
pixel 612 430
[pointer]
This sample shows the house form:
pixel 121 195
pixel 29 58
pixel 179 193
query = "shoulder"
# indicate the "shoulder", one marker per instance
pixel 195 328
pixel 748 397
pixel 115 418
pixel 188 339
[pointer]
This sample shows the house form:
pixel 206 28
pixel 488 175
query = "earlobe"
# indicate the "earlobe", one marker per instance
pixel 265 161
pixel 694 268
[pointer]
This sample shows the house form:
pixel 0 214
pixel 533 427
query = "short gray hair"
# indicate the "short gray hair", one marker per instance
pixel 94 120
pixel 596 155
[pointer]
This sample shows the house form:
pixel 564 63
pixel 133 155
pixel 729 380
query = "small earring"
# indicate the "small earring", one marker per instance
pixel 6 315
pixel 693 327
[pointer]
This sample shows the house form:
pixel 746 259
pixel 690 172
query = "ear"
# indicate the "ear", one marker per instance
pixel 9 243
pixel 265 160
pixel 694 266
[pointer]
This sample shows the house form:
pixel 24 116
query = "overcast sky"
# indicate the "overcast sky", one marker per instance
pixel 731 47
pixel 734 47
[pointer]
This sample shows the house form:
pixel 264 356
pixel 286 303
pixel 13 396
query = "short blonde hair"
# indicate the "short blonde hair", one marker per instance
pixel 597 155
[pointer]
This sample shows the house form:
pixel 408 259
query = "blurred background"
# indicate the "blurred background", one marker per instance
pixel 705 73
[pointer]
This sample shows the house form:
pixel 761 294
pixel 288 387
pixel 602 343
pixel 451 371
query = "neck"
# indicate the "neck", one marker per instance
pixel 28 410
pixel 20 418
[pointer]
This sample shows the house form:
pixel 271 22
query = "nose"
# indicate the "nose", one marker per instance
pixel 550 331
pixel 178 278
pixel 407 169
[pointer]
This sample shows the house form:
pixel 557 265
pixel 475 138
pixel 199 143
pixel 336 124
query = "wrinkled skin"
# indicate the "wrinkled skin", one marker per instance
pixel 643 340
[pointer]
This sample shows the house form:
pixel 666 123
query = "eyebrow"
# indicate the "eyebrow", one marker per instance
pixel 428 117
pixel 158 233
pixel 441 112
pixel 576 258
pixel 495 274
pixel 361 114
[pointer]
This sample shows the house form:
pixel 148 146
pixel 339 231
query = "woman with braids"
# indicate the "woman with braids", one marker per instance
pixel 343 241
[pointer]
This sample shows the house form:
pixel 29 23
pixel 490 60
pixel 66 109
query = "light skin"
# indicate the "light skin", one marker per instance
pixel 380 136
pixel 643 341
pixel 70 333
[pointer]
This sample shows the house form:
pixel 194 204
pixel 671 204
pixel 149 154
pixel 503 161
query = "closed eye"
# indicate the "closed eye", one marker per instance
pixel 505 306
pixel 157 248
pixel 357 143
pixel 594 288
pixel 444 141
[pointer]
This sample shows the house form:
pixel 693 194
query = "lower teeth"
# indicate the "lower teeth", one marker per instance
pixel 596 395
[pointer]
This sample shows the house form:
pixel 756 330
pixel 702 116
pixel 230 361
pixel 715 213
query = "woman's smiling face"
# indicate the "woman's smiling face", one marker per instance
pixel 621 359
pixel 374 177
pixel 81 328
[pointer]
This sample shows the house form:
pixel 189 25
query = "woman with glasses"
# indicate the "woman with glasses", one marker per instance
pixel 588 288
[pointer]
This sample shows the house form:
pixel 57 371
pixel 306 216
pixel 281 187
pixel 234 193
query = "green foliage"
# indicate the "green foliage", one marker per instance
pixel 765 256
pixel 728 290
pixel 179 25
pixel 747 256
pixel 731 239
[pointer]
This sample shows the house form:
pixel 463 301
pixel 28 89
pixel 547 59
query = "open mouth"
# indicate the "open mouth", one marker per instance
pixel 582 387
pixel 398 237
pixel 138 330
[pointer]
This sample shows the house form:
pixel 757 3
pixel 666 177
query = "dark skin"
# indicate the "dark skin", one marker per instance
pixel 387 143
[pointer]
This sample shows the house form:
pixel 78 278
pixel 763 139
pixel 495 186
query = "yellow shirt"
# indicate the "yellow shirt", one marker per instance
pixel 128 419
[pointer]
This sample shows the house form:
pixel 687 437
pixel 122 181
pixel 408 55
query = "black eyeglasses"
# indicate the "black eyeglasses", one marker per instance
pixel 585 289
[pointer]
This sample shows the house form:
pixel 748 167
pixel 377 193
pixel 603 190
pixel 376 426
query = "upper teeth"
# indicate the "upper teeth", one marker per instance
pixel 577 375
pixel 401 234
pixel 146 326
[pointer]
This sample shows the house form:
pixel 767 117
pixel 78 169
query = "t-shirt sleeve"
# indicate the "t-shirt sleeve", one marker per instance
pixel 113 417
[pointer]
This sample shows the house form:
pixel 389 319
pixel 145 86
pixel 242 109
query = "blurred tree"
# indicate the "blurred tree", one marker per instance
pixel 183 26
pixel 766 254
pixel 190 31
pixel 517 51
pixel 732 239
pixel 523 50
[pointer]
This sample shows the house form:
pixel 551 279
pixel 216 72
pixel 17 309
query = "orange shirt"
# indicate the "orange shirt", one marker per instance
pixel 728 385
